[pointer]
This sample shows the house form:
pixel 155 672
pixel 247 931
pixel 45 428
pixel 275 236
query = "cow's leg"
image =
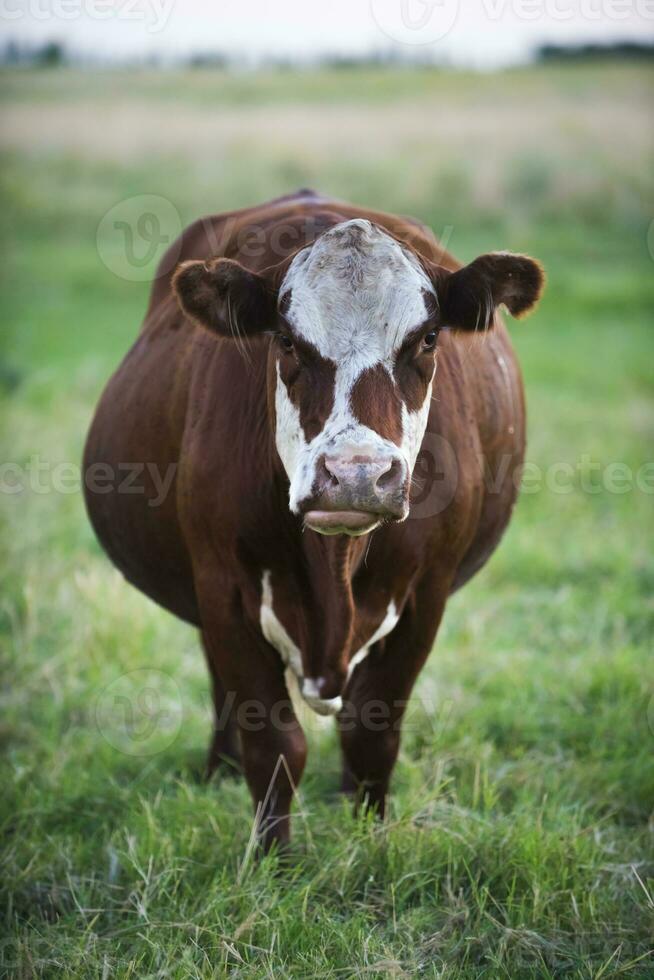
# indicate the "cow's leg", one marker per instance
pixel 376 698
pixel 273 745
pixel 224 748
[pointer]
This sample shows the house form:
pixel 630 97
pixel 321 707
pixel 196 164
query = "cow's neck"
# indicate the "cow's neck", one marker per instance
pixel 331 562
pixel 321 570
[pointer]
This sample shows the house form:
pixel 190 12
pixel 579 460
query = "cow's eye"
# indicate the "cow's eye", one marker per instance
pixel 429 340
pixel 286 342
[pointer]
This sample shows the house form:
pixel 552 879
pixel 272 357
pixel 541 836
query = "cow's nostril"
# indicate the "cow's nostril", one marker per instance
pixel 391 477
pixel 326 474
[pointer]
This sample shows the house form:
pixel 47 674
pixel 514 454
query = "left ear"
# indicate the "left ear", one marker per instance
pixel 224 297
pixel 469 297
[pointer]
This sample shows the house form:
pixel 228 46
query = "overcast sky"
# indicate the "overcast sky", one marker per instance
pixel 480 33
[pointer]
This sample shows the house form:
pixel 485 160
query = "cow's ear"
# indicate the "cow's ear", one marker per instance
pixel 468 298
pixel 225 297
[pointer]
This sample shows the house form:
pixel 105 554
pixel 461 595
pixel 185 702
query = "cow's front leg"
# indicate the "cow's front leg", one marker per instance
pixel 273 746
pixel 225 748
pixel 377 696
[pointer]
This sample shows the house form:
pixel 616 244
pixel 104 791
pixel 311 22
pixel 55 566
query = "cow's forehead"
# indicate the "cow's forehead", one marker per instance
pixel 355 293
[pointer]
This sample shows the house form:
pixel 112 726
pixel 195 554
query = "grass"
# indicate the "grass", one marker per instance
pixel 519 842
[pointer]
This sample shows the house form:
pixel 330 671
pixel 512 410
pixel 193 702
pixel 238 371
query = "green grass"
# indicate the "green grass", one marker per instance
pixel 365 83
pixel 519 842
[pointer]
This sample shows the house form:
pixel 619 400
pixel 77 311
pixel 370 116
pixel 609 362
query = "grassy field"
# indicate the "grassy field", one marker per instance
pixel 520 838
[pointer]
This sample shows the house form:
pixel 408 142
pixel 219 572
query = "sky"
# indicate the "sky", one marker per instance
pixel 474 33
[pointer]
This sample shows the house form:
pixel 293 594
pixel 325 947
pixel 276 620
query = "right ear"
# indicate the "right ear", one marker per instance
pixel 225 297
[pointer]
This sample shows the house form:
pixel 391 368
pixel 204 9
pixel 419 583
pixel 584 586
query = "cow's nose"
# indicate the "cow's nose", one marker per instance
pixel 376 474
pixel 369 483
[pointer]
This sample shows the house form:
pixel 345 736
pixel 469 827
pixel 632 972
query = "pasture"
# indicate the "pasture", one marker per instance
pixel 520 836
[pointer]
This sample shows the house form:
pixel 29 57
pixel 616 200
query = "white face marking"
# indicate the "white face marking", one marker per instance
pixel 413 428
pixel 291 443
pixel 355 295
pixel 276 634
pixel 386 626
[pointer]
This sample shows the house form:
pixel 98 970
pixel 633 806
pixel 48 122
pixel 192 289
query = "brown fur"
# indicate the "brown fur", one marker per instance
pixel 196 400
pixel 311 389
pixel 375 402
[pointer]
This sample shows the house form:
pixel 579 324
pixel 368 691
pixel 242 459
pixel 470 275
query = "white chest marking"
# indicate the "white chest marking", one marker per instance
pixel 322 706
pixel 387 625
pixel 275 631
pixel 276 634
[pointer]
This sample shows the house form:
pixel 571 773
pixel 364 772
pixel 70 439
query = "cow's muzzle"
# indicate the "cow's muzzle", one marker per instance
pixel 358 492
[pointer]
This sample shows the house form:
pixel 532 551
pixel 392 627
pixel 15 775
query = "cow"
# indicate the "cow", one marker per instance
pixel 338 407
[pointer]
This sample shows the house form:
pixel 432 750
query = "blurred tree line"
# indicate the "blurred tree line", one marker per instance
pixel 54 53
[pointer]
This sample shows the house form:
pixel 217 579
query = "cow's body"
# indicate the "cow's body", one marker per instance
pixel 224 551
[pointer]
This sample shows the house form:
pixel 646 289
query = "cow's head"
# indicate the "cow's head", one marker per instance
pixel 355 321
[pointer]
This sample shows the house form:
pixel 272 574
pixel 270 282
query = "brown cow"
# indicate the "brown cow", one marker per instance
pixel 294 359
